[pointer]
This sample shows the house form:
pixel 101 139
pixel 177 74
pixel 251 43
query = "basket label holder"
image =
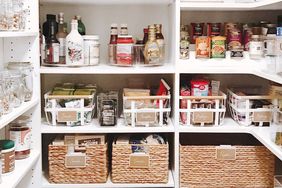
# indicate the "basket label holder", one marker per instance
pixel 139 160
pixel 74 159
pixel 262 116
pixel 67 116
pixel 226 152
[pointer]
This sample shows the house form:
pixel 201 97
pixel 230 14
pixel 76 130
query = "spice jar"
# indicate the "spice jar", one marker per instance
pixel 256 47
pixel 26 70
pixel 124 54
pixel 20 133
pixel 91 49
pixel 7 156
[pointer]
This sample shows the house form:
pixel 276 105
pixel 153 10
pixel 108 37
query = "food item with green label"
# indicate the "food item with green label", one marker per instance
pixel 218 47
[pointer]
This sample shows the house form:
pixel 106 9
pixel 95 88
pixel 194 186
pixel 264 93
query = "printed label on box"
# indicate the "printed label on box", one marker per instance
pixel 139 161
pixel 226 153
pixel 71 116
pixel 262 116
pixel 202 117
pixel 75 160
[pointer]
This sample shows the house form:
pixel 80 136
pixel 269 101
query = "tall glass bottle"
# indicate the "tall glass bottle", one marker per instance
pixel 52 46
pixel 145 39
pixel 113 43
pixel 61 36
pixel 74 46
pixel 160 40
pixel 152 50
pixel 81 26
pixel 46 25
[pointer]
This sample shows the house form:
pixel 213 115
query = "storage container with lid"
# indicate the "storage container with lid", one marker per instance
pixel 26 70
pixel 20 133
pixel 256 49
pixel 7 155
pixel 91 49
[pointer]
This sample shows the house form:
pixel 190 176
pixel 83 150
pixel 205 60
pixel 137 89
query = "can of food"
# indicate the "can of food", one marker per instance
pixel 236 53
pixel 218 47
pixel 203 47
pixel 234 38
pixel 214 29
pixel 197 30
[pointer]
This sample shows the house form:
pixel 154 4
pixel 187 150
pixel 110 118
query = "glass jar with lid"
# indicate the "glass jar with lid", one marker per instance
pixel 26 70
pixel 256 48
pixel 20 133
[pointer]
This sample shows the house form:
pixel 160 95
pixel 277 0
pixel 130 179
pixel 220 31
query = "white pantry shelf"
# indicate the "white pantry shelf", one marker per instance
pixel 167 68
pixel 4 34
pixel 94 127
pixel 22 167
pixel 108 184
pixel 221 6
pixel 16 112
pixel 107 2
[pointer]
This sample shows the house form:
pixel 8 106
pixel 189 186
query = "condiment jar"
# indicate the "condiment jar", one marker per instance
pixel 91 49
pixel 256 49
pixel 20 133
pixel 124 54
pixel 7 156
pixel 270 45
pixel 26 70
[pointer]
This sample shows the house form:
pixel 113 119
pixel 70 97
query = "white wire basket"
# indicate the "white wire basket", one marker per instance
pixel 243 110
pixel 81 114
pixel 146 111
pixel 202 110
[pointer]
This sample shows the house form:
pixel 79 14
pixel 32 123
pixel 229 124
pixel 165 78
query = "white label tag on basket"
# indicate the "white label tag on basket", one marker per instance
pixel 262 116
pixel 225 153
pixel 202 117
pixel 71 116
pixel 75 160
pixel 148 117
pixel 139 160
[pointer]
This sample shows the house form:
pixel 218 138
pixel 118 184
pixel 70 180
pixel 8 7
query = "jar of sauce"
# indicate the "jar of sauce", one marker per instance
pixel 20 133
pixel 124 54
pixel 256 48
pixel 7 156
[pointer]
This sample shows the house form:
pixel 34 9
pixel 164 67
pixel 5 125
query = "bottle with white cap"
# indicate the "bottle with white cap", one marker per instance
pixel 123 29
pixel 74 46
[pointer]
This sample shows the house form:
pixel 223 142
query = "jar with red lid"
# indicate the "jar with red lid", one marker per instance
pixel 20 133
pixel 124 54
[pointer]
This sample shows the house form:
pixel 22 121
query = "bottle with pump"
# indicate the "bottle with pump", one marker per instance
pixel 74 46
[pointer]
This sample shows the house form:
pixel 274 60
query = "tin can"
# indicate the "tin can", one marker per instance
pixel 203 47
pixel 218 47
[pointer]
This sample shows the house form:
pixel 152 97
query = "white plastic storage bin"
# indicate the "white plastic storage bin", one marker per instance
pixel 148 111
pixel 81 114
pixel 248 106
pixel 202 110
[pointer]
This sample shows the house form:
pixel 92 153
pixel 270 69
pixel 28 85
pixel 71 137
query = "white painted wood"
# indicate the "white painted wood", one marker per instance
pixel 4 34
pixel 108 184
pixel 108 2
pixel 214 6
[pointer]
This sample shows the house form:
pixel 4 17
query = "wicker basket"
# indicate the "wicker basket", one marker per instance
pixel 96 170
pixel 202 167
pixel 124 172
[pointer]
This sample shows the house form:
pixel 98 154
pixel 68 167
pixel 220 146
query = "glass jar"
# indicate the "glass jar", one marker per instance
pixel 91 49
pixel 14 87
pixel 26 70
pixel 4 95
pixel 270 45
pixel 3 20
pixel 20 133
pixel 7 156
pixel 256 48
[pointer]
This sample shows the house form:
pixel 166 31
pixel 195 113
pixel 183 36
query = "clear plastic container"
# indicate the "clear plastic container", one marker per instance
pixel 26 70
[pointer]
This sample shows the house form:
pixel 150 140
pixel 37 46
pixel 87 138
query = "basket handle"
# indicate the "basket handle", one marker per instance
pixel 74 159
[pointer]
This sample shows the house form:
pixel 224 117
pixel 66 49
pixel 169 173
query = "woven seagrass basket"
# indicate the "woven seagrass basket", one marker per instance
pixel 200 167
pixel 154 171
pixel 95 171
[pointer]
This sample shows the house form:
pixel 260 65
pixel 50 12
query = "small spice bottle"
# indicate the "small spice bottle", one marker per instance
pixel 256 49
pixel 20 134
pixel 7 156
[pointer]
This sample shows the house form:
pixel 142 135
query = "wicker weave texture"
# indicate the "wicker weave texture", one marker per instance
pixel 96 170
pixel 199 168
pixel 156 173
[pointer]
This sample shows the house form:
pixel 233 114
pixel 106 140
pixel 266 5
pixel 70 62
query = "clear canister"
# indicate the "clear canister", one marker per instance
pixel 256 48
pixel 26 70
pixel 91 49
